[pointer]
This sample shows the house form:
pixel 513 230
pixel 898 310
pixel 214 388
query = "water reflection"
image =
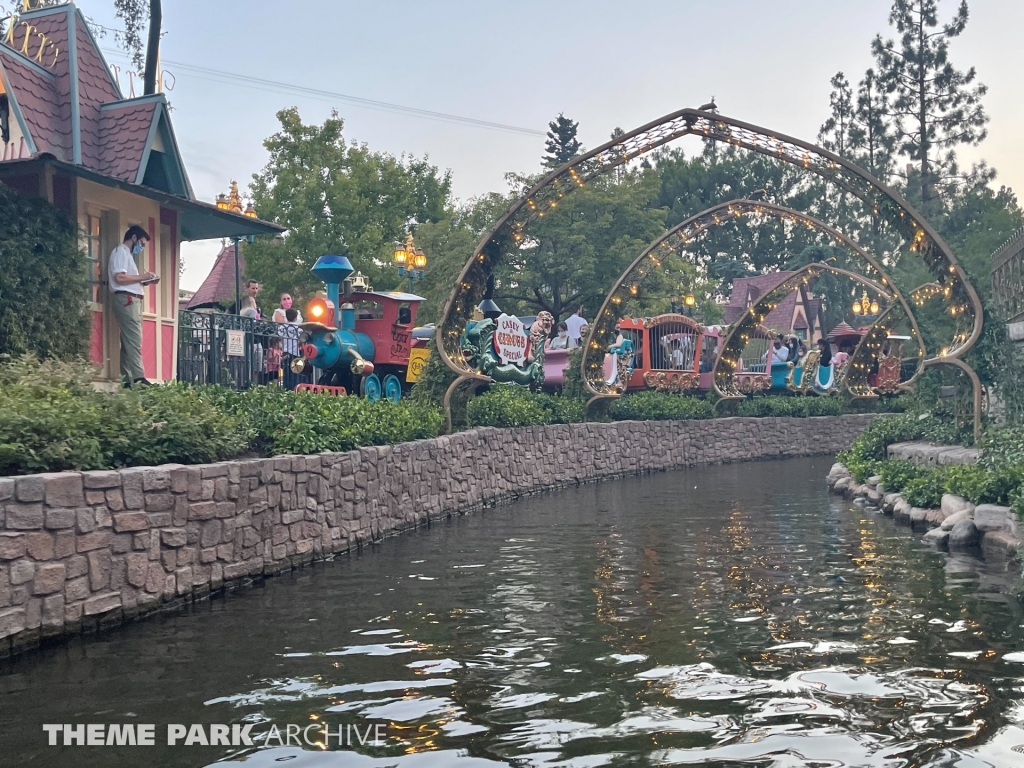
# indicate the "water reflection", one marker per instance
pixel 722 616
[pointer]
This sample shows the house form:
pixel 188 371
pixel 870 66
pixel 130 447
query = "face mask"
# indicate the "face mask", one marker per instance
pixel 137 249
pixel 562 334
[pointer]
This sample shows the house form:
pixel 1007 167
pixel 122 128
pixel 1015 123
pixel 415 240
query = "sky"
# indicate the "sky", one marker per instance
pixel 605 64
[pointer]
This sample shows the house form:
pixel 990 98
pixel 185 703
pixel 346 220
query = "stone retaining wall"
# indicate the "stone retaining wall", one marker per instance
pixel 82 550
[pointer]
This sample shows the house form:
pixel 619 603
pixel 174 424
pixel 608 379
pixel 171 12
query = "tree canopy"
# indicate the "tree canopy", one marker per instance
pixel 336 196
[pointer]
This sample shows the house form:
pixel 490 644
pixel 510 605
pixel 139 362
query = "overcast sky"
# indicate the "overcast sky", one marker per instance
pixel 603 63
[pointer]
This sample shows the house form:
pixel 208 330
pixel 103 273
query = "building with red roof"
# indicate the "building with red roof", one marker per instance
pixel 799 313
pixel 67 133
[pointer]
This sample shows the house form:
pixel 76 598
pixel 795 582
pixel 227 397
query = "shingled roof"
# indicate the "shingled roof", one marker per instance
pixel 66 103
pixel 218 288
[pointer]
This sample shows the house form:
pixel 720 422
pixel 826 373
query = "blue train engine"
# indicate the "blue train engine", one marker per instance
pixel 359 341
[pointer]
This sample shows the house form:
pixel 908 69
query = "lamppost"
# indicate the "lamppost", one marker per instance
pixel 685 304
pixel 233 202
pixel 410 260
pixel 864 306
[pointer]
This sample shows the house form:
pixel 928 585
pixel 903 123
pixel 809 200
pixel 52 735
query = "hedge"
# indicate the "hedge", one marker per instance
pixel 52 419
pixel 998 478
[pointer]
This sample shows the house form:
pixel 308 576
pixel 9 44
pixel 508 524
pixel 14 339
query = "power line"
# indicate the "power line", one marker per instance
pixel 262 84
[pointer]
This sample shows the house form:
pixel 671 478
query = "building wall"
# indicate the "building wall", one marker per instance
pixel 117 210
pixel 79 550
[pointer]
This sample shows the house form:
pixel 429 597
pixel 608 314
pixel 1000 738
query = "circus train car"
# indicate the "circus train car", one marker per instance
pixel 362 342
pixel 675 353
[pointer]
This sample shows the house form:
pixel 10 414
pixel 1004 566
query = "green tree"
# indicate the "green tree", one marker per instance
pixel 748 245
pixel 333 197
pixel 936 107
pixel 575 252
pixel 138 15
pixel 43 281
pixel 449 243
pixel 562 144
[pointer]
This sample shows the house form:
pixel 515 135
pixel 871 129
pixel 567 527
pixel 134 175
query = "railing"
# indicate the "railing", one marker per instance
pixel 236 352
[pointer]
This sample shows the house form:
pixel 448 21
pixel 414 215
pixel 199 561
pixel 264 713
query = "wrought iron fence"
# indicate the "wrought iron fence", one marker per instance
pixel 236 352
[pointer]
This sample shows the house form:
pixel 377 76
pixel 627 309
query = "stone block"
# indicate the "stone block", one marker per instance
pixel 53 612
pixel 1000 544
pixel 936 536
pixel 130 521
pixel 99 569
pixel 49 578
pixel 964 535
pixel 64 489
pixel 991 517
pixel 39 545
pixel 30 489
pixel 174 537
pixel 952 504
pixel 204 510
pixel 60 519
pixel 78 565
pixel 6 488
pixel 96 540
pixel 956 517
pixel 102 603
pixel 24 517
pixel 137 568
pixel 183 580
pixel 115 500
pixel 76 589
pixel 86 520
pixel 12 546
pixel 12 621
pixel 22 571
pixel 131 488
pixel 101 479
pixel 156 479
pixel 210 533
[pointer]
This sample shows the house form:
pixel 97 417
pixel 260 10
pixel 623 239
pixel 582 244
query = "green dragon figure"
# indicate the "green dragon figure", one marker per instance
pixel 478 348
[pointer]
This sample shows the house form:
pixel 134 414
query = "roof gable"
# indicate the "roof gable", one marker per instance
pixel 73 109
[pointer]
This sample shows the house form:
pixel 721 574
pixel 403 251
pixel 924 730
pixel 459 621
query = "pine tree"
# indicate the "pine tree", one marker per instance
pixel 562 144
pixel 935 107
pixel 835 132
pixel 871 134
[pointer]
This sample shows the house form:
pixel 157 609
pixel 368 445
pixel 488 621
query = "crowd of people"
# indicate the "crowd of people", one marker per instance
pixel 790 349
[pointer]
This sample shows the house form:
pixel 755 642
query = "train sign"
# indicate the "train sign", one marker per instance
pixel 511 342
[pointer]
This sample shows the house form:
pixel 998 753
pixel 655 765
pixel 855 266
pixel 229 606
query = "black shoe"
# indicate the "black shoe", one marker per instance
pixel 142 383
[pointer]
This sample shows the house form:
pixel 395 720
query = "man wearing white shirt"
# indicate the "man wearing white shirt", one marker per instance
pixel 573 325
pixel 125 283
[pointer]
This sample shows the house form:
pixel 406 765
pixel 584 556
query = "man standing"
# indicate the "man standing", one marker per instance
pixel 573 326
pixel 125 284
pixel 252 287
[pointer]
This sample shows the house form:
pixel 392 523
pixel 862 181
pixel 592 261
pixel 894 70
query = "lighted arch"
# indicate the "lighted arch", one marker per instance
pixel 682 234
pixel 724 372
pixel 509 230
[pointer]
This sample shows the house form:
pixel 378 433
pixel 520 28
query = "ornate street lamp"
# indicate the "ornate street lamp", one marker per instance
pixel 865 306
pixel 410 260
pixel 233 202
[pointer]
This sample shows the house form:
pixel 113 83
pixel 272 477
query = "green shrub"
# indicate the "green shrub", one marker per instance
pixel 313 423
pixel 50 418
pixel 1016 500
pixel 783 405
pixel 926 490
pixel 43 286
pixel 508 405
pixel 896 474
pixel 660 406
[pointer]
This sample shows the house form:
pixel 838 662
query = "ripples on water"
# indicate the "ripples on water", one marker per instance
pixel 723 616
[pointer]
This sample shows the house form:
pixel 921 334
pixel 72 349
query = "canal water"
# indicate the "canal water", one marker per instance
pixel 721 616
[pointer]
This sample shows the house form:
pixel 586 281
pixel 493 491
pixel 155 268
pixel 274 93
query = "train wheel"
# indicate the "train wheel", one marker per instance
pixel 370 388
pixel 392 388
